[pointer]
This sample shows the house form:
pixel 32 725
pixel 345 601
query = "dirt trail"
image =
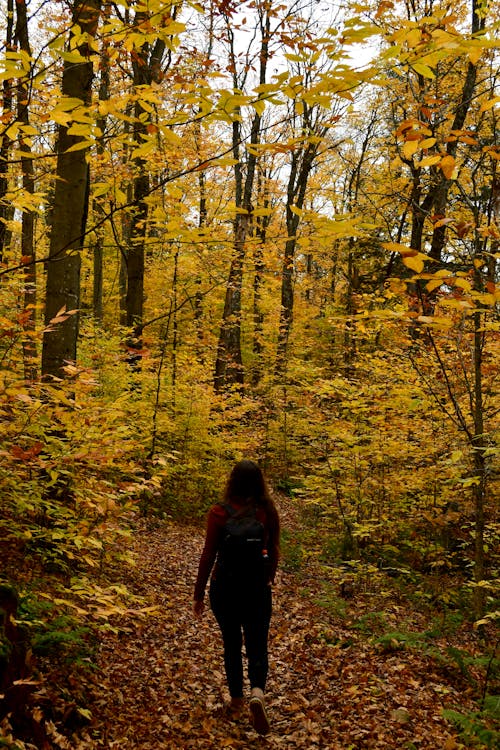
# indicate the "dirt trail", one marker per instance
pixel 161 683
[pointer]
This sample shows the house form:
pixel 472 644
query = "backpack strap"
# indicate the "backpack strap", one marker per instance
pixel 245 510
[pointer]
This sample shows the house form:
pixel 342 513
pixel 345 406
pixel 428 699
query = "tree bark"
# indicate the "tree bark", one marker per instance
pixel 7 97
pixel 437 196
pixel 69 212
pixel 28 218
pixel 229 364
pixel 302 163
pixel 146 67
pixel 479 488
pixel 98 255
pixel 260 230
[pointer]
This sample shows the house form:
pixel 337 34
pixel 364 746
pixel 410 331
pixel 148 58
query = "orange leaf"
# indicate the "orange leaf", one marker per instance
pixel 447 166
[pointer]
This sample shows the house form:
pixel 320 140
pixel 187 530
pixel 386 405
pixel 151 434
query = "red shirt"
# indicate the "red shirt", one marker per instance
pixel 217 517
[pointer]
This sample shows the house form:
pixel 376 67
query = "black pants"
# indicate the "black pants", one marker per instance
pixel 243 612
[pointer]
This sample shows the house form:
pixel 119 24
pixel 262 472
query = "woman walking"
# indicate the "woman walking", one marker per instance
pixel 241 553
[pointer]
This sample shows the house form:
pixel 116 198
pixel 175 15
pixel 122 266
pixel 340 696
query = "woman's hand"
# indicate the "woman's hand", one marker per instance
pixel 198 608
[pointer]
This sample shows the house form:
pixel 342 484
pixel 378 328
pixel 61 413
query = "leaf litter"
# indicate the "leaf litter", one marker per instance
pixel 160 681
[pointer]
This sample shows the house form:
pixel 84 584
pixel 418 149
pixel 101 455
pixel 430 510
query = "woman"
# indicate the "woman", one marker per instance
pixel 241 552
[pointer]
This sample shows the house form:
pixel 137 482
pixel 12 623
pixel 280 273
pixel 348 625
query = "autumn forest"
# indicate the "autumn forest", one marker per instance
pixel 266 230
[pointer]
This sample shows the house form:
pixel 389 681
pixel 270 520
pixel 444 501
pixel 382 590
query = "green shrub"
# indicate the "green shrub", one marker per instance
pixel 479 727
pixel 60 636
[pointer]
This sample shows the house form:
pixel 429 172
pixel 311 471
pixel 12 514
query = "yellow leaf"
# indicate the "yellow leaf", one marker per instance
pixel 68 103
pixel 474 54
pixel 259 106
pixel 171 137
pixel 143 150
pixel 413 37
pixel 447 166
pixel 61 118
pixel 225 161
pixel 415 262
pixel 434 284
pixel 100 188
pixel 423 70
pixel 429 161
pixel 13 130
pixel 485 299
pixel 489 104
pixel 79 129
pixel 72 57
pixel 410 148
pixel 396 247
pixel 435 321
pixel 80 146
pixel 29 130
pixel 463 284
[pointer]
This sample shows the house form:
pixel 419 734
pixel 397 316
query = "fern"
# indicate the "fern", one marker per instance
pixel 479 727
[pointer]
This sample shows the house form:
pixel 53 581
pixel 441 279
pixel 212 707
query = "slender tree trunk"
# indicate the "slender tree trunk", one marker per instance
pixel 261 225
pixel 175 328
pixel 134 300
pixel 479 443
pixel 146 69
pixel 28 223
pixel 229 364
pixel 202 187
pixel 202 221
pixel 126 228
pixel 302 163
pixel 479 447
pixel 7 95
pixel 123 257
pixel 98 255
pixel 349 348
pixel 69 212
pixel 436 199
pixel 287 297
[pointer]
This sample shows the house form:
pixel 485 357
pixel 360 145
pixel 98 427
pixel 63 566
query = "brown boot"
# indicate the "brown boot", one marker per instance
pixel 260 722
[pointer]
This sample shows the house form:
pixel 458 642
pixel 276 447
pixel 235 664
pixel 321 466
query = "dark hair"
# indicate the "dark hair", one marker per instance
pixel 246 484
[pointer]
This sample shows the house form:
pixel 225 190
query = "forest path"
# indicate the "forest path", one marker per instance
pixel 161 679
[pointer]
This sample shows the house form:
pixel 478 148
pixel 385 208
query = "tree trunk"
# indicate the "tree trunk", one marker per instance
pixel 436 198
pixel 261 225
pixel 5 209
pixel 146 69
pixel 229 364
pixel 302 163
pixel 98 255
pixel 349 348
pixel 69 212
pixel 202 222
pixel 123 257
pixel 134 299
pixel 28 223
pixel 479 447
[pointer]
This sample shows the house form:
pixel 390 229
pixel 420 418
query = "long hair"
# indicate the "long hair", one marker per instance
pixel 247 484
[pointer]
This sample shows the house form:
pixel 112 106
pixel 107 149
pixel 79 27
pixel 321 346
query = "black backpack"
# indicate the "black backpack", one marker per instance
pixel 242 553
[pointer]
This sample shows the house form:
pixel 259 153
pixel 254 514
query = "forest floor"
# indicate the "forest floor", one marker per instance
pixel 160 681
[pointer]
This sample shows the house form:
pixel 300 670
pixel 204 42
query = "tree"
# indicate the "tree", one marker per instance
pixel 27 232
pixel 229 365
pixel 7 92
pixel 302 159
pixel 98 250
pixel 71 195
